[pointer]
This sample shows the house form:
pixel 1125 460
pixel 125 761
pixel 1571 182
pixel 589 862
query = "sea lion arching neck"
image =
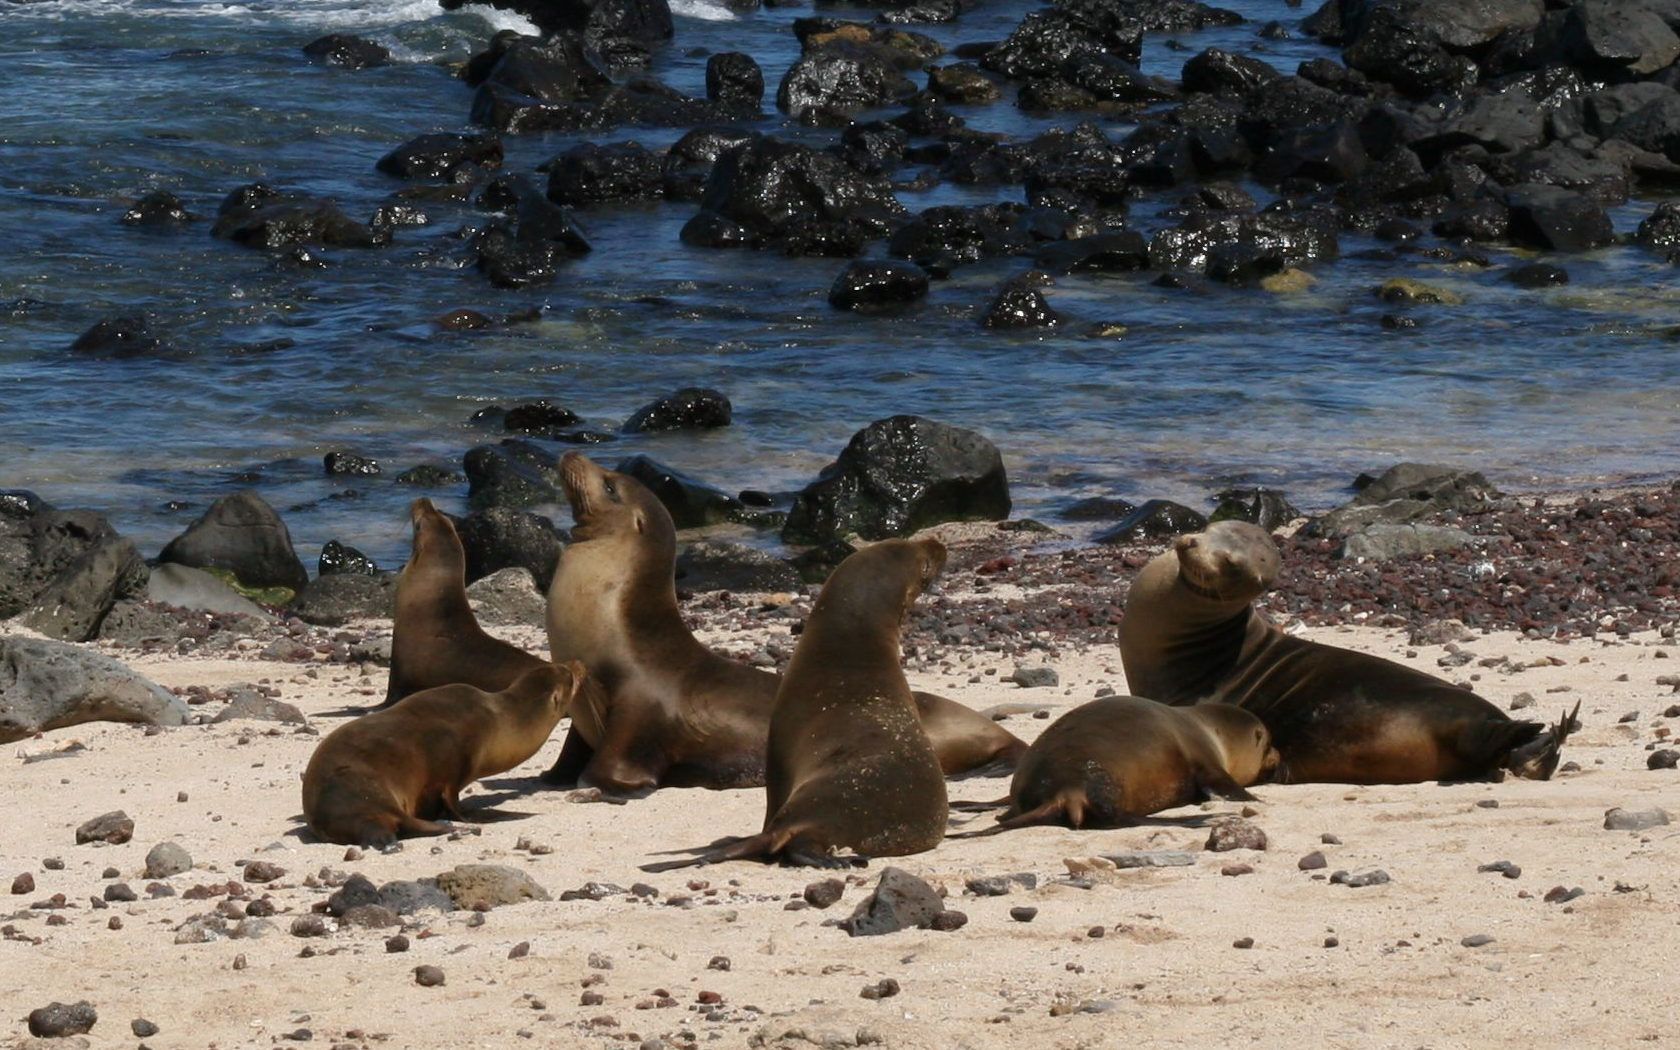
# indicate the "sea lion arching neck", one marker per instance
pixel 612 590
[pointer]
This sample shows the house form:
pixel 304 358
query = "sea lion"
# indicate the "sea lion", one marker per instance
pixel 1110 762
pixel 395 771
pixel 670 712
pixel 436 639
pixel 1190 634
pixel 849 764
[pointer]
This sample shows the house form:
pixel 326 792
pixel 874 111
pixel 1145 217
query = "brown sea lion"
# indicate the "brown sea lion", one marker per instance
pixel 436 639
pixel 670 712
pixel 1110 762
pixel 850 766
pixel 395 771
pixel 1190 634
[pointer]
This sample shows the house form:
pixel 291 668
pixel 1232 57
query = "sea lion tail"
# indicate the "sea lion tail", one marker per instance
pixel 1538 758
pixel 1057 811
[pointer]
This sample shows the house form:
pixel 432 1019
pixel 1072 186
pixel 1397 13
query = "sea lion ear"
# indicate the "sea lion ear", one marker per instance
pixel 1185 542
pixel 641 522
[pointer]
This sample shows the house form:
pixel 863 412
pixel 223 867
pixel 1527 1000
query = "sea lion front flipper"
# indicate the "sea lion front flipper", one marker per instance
pixel 762 846
pixel 1217 785
pixel 408 825
pixel 575 755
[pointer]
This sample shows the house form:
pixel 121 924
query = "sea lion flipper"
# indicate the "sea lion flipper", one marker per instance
pixel 980 807
pixel 575 755
pixel 416 826
pixel 764 845
pixel 1217 785
pixel 1538 759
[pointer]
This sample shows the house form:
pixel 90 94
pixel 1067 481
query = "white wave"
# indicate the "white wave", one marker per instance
pixel 326 14
pixel 702 9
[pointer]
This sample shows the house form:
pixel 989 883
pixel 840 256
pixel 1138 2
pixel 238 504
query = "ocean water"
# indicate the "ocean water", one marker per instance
pixel 274 364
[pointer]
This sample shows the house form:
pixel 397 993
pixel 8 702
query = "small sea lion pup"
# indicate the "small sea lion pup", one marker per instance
pixel 395 771
pixel 850 766
pixel 669 712
pixel 1114 761
pixel 1190 634
pixel 436 639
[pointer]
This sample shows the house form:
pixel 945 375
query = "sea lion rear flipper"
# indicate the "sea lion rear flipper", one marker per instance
pixel 980 807
pixel 1538 759
pixel 1059 810
pixel 1493 743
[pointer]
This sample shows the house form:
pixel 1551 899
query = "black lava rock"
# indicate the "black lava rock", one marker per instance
pixel 339 557
pixel 898 475
pixel 1020 304
pixel 158 209
pixel 126 336
pixel 502 538
pixel 692 503
pixel 259 216
pixel 691 408
pixel 871 285
pixel 442 155
pixel 588 174
pixel 350 52
pixel 243 535
pixel 1158 518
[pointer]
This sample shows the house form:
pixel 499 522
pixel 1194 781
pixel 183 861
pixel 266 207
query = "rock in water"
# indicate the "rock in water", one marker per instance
pixel 350 52
pixel 901 901
pixel 243 535
pixel 50 685
pixel 691 408
pixel 898 475
pixel 712 565
pixel 867 285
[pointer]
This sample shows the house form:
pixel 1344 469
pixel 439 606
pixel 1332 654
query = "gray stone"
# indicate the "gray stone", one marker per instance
pixel 900 901
pixel 1235 833
pixel 508 597
pixel 489 885
pixel 247 703
pixel 1383 542
pixel 188 588
pixel 1374 877
pixel 1151 858
pixel 49 685
pixel 408 897
pixel 1619 819
pixel 1406 492
pixel 1035 677
pixel 166 859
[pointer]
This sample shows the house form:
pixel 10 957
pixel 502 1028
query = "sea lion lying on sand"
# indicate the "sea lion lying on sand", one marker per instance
pixel 1190 634
pixel 1113 761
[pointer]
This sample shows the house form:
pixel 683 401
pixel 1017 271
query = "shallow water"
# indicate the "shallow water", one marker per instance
pixel 104 100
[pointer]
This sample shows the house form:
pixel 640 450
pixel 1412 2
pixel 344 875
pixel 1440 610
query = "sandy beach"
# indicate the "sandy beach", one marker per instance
pixel 1117 957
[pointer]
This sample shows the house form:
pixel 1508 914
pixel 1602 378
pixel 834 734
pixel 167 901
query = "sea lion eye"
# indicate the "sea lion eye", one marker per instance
pixel 611 490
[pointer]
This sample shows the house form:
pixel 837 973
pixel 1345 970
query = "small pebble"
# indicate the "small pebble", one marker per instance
pixel 398 943
pixel 885 988
pixel 24 883
pixel 520 950
pixel 1312 861
pixel 59 1020
pixel 428 976
pixel 1023 913
pixel 824 893
pixel 1476 940
pixel 143 1028
pixel 1243 942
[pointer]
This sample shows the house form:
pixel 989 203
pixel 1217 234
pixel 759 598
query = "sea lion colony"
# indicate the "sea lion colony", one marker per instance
pixel 851 759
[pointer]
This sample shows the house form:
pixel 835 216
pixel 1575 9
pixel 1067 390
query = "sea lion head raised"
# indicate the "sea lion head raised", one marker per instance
pixel 606 503
pixel 1230 561
pixel 1243 739
pixel 437 546
pixel 875 587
